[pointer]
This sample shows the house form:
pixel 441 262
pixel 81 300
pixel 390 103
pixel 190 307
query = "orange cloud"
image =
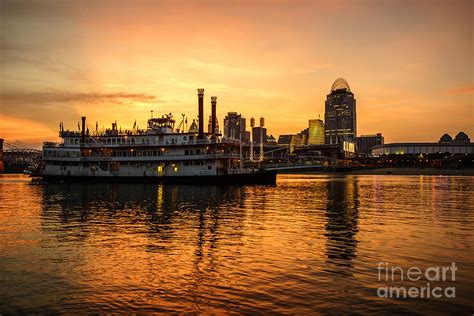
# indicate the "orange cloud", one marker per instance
pixel 460 90
pixel 90 97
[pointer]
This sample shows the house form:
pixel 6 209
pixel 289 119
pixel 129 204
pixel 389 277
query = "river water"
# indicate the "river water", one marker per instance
pixel 311 244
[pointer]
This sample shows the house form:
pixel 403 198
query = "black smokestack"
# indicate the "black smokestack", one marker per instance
pixel 201 112
pixel 214 115
pixel 83 131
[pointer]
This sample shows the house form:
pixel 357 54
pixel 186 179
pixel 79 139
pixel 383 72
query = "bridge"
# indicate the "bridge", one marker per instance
pixel 16 158
pixel 10 147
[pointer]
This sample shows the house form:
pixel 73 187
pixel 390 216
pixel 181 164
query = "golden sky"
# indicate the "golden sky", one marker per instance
pixel 409 63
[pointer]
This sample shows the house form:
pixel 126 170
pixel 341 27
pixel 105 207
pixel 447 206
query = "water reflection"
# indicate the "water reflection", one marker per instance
pixel 122 205
pixel 310 244
pixel 342 223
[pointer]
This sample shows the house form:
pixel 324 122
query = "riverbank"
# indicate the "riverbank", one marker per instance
pixel 414 171
pixel 381 171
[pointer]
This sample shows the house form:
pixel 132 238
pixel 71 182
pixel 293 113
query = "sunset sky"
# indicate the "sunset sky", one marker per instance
pixel 409 63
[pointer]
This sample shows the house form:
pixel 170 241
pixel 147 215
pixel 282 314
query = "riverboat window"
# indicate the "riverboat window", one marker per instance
pixel 186 152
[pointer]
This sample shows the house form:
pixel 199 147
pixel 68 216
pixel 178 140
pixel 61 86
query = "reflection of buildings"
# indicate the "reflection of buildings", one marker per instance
pixel 342 222
pixel 340 114
pixel 117 205
pixel 143 235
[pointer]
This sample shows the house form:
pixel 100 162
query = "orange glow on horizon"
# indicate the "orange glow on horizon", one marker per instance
pixel 408 64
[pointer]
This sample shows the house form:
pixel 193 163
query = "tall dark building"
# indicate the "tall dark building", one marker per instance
pixel 366 142
pixel 340 115
pixel 234 126
pixel 259 133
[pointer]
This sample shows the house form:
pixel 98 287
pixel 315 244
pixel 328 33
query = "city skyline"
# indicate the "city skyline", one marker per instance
pixel 409 64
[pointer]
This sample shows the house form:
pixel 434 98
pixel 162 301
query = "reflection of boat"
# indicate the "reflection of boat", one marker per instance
pixel 160 153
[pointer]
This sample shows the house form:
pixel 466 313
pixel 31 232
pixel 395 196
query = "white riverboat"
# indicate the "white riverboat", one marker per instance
pixel 160 153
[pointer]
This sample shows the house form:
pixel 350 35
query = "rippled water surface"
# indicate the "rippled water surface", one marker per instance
pixel 311 244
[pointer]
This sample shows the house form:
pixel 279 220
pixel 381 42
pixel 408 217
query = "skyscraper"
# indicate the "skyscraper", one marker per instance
pixel 234 126
pixel 340 114
pixel 259 133
pixel 316 132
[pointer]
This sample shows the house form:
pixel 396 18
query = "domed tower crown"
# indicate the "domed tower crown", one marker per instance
pixel 340 84
pixel 446 138
pixel 462 137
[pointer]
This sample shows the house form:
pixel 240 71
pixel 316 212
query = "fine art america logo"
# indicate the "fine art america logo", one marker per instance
pixel 431 277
